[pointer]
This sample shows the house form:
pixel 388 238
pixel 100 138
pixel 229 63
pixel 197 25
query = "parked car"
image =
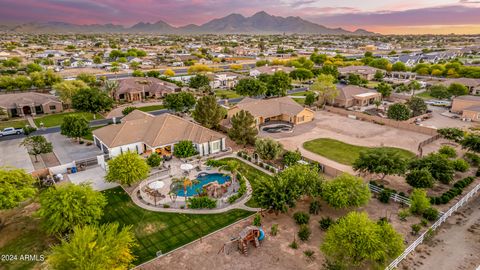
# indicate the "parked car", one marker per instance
pixel 11 131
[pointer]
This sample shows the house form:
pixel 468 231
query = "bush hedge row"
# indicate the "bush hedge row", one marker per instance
pixel 201 202
pixel 452 192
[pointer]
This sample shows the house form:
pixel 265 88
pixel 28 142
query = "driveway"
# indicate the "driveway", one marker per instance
pixel 440 121
pixel 12 154
pixel 68 150
pixel 95 176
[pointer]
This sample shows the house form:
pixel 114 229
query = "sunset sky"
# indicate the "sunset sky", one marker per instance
pixel 383 16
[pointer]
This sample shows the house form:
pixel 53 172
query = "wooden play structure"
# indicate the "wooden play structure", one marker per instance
pixel 249 234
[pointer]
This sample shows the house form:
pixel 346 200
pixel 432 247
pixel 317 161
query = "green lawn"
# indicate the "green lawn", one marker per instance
pixel 162 231
pixel 424 95
pixel 300 101
pixel 342 152
pixel 54 120
pixel 227 93
pixel 252 174
pixel 372 84
pixel 13 123
pixel 299 93
pixel 151 108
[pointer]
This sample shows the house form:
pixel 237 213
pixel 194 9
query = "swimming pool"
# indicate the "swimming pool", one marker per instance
pixel 203 180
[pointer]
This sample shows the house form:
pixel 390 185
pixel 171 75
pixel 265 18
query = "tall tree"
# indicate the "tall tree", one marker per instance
pixel 345 191
pixel 417 105
pixel 250 87
pixel 127 169
pixel 74 126
pixel 200 82
pixel 62 207
pixel 301 74
pixel 268 149
pixel 92 100
pixel 385 89
pixel 179 102
pixel 243 130
pixel 67 89
pixel 15 187
pixel 91 247
pixel 37 145
pixel 381 161
pixel 277 84
pixel 399 112
pixel 355 241
pixel 471 142
pixel 326 88
pixel 414 86
pixel 458 89
pixel 208 113
pixel 439 166
pixel 87 78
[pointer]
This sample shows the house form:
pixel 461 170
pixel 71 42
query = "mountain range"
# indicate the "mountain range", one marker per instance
pixel 260 23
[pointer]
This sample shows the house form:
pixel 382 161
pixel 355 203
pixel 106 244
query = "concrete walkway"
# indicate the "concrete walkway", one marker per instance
pixel 31 122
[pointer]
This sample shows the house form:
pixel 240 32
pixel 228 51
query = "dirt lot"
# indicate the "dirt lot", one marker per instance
pixel 274 252
pixel 455 246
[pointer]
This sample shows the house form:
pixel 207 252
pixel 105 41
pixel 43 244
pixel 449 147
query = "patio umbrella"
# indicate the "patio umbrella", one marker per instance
pixel 186 167
pixel 156 185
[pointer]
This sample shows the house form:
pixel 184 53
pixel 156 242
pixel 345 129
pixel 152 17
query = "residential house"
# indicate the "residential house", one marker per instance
pixel 352 95
pixel 365 72
pixel 224 80
pixel 410 60
pixel 468 106
pixel 473 85
pixel 140 88
pixel 30 103
pixel 274 109
pixel 269 70
pixel 142 132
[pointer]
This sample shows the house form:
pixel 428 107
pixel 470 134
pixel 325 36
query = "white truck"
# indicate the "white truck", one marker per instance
pixel 11 131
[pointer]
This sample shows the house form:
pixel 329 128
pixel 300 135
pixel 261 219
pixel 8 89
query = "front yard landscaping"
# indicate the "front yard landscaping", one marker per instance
pixel 13 123
pixel 226 94
pixel 162 231
pixel 151 108
pixel 343 152
pixel 54 120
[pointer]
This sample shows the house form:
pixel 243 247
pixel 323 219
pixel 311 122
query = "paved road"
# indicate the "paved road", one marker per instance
pixel 101 122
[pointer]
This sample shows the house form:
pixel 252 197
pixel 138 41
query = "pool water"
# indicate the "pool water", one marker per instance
pixel 203 180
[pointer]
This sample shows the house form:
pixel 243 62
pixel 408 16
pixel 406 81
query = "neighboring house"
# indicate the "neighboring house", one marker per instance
pixel 30 103
pixel 224 80
pixel 468 106
pixel 410 60
pixel 274 109
pixel 140 88
pixel 142 132
pixel 352 95
pixel 473 85
pixel 269 70
pixel 365 72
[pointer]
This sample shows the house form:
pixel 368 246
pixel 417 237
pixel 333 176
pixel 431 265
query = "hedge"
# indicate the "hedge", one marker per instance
pixel 452 192
pixel 201 202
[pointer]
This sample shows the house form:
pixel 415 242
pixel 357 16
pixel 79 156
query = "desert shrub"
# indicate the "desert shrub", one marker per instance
pixel 419 201
pixel 325 223
pixel 384 196
pixel 310 254
pixel 128 110
pixel 448 151
pixel 403 214
pixel 314 208
pixel 416 229
pixel 257 220
pixel 420 178
pixel 301 218
pixel 154 160
pixel 166 206
pixel 473 158
pixel 460 165
pixel 452 192
pixel 201 202
pixel 294 244
pixel 431 214
pixel 304 232
pixel 274 230
pixel 424 222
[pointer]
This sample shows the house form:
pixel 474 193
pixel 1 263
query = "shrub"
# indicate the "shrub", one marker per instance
pixel 416 229
pixel 274 230
pixel 420 178
pixel 384 196
pixel 424 222
pixel 294 244
pixel 128 110
pixel 291 157
pixel 460 165
pixel 477 173
pixel 166 206
pixel 257 220
pixel 473 158
pixel 310 254
pixel 201 202
pixel 184 149
pixel 431 214
pixel 448 151
pixel 314 208
pixel 325 223
pixel 304 232
pixel 403 214
pixel 419 201
pixel 452 192
pixel 301 218
pixel 154 160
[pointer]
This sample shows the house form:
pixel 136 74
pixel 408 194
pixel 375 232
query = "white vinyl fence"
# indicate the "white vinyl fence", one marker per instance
pixel 394 196
pixel 435 225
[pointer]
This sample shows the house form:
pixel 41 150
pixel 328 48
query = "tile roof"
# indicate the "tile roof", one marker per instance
pixel 270 107
pixel 12 100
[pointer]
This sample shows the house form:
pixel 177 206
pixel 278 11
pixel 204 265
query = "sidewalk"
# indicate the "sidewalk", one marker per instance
pixel 31 122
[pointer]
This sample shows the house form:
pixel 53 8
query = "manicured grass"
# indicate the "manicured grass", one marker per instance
pixel 54 120
pixel 343 152
pixel 162 231
pixel 424 95
pixel 372 84
pixel 300 101
pixel 299 93
pixel 252 174
pixel 151 108
pixel 13 123
pixel 226 93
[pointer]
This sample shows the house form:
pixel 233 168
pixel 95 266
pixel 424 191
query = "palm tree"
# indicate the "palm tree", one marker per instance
pixel 231 166
pixel 110 87
pixel 183 182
